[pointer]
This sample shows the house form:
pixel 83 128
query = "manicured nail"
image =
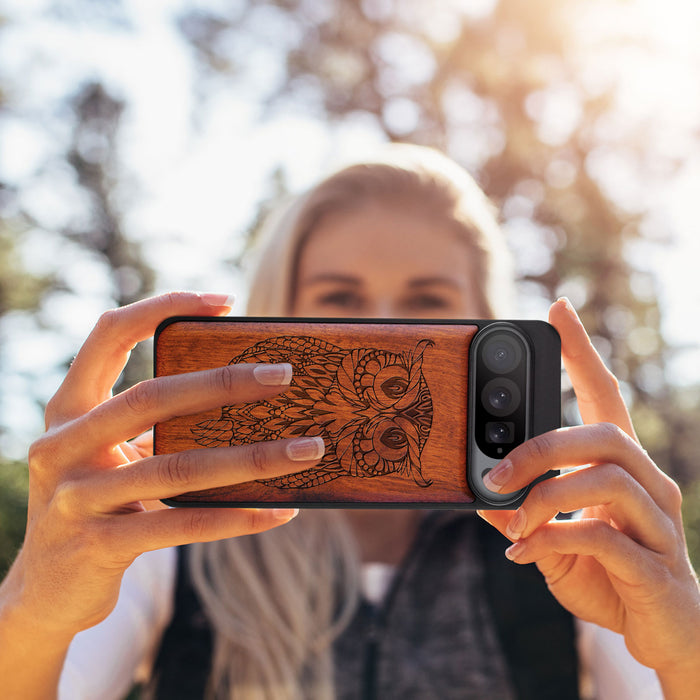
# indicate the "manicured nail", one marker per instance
pixel 517 525
pixel 569 306
pixel 515 550
pixel 304 449
pixel 273 375
pixel 218 299
pixel 499 476
pixel 285 514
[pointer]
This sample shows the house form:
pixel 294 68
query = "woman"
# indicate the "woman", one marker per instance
pixel 276 601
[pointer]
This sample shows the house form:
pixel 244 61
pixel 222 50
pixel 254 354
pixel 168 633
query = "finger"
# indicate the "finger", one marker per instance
pixel 131 452
pixel 143 444
pixel 579 445
pixel 165 476
pixel 606 486
pixel 138 448
pixel 156 400
pixel 497 518
pixel 596 388
pixel 156 529
pixel 614 550
pixel 105 352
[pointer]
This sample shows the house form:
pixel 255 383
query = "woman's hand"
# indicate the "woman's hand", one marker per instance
pixel 623 564
pixel 88 514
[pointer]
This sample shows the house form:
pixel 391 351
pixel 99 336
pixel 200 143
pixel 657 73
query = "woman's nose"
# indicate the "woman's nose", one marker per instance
pixel 383 308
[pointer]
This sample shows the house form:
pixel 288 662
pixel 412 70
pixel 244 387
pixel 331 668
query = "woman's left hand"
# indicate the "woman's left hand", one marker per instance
pixel 623 564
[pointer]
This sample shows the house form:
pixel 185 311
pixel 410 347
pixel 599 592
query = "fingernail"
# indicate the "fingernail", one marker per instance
pixel 285 514
pixel 515 550
pixel 517 525
pixel 569 306
pixel 498 477
pixel 273 375
pixel 218 299
pixel 303 449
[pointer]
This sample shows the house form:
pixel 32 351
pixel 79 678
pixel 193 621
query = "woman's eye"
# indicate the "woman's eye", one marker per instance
pixel 341 300
pixel 427 302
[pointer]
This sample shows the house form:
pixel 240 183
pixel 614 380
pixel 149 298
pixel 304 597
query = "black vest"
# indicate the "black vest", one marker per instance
pixel 417 644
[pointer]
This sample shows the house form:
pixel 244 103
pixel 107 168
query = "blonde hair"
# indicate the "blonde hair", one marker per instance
pixel 277 600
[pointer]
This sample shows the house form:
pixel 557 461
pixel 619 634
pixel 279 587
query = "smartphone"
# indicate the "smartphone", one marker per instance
pixel 412 413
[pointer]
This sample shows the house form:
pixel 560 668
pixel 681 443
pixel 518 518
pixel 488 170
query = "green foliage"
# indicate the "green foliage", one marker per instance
pixel 18 289
pixel 14 484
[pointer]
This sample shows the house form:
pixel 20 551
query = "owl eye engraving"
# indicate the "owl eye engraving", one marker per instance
pixel 372 407
pixel 394 387
pixel 394 438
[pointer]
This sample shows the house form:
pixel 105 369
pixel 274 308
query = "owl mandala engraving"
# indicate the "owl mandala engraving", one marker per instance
pixel 372 408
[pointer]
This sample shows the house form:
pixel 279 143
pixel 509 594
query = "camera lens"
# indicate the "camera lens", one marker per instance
pixel 502 353
pixel 499 432
pixel 500 396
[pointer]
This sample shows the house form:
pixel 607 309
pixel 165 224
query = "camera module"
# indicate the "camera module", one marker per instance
pixel 501 395
pixel 505 359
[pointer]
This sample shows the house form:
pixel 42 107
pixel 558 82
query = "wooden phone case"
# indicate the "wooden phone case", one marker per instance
pixel 389 399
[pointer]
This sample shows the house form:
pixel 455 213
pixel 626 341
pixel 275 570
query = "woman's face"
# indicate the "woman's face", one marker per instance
pixel 385 261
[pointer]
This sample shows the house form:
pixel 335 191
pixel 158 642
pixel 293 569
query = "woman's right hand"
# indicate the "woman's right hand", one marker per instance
pixel 88 516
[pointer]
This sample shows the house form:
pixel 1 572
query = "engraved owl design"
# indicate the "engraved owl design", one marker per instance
pixel 372 408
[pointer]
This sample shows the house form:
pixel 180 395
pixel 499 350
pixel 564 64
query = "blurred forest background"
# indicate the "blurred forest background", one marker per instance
pixel 580 119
